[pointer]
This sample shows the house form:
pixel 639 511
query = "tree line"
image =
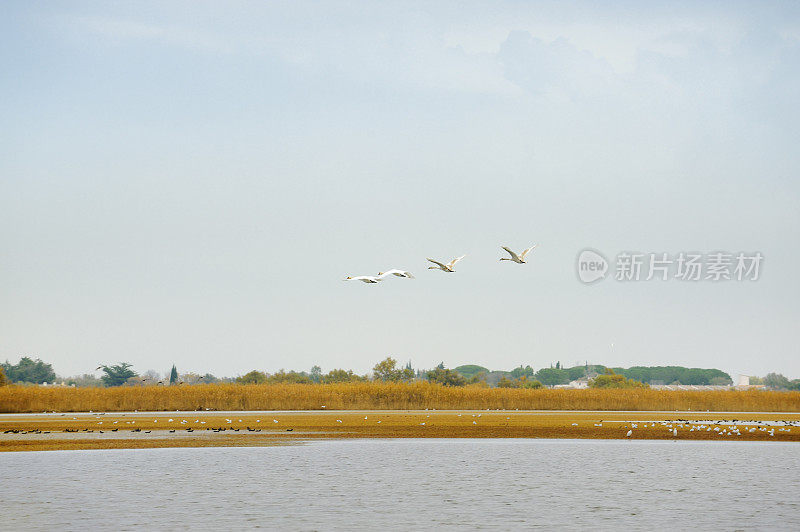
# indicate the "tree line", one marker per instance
pixel 30 371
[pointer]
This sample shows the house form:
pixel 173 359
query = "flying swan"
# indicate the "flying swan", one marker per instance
pixel 445 267
pixel 519 259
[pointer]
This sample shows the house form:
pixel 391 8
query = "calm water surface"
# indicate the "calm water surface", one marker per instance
pixel 409 484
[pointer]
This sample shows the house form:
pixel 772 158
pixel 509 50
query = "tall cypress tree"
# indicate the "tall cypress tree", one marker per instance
pixel 173 375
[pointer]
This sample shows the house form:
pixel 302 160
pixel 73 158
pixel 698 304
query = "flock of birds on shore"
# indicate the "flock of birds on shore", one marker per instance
pixel 723 427
pixel 729 427
pixel 519 258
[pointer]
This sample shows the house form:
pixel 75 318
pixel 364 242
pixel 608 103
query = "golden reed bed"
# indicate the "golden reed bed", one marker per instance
pixel 380 396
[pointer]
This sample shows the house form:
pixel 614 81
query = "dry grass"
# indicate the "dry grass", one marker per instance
pixel 380 396
pixel 210 429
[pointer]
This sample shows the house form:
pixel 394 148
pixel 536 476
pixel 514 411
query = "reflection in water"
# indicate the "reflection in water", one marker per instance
pixel 408 484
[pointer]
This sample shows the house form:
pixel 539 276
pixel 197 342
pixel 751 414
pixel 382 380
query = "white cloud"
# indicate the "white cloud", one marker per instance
pixel 556 67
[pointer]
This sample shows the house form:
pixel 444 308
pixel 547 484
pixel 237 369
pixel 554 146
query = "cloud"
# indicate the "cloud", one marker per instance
pixel 556 68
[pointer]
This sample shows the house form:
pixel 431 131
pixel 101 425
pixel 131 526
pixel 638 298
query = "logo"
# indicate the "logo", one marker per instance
pixel 592 266
pixel 717 266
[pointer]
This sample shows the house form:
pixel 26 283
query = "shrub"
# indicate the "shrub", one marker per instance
pixel 254 377
pixel 446 377
pixel 613 380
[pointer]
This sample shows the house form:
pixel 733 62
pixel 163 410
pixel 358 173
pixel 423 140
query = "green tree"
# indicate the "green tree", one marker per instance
pixel 340 375
pixel 387 370
pixel 552 376
pixel 674 374
pixel 117 375
pixel 3 379
pixel 614 380
pixel 577 372
pixel 532 384
pixel 289 377
pixel 254 377
pixel 29 370
pixel 316 374
pixel 776 381
pixel 447 377
pixel 173 375
pixel 471 370
pixel 477 378
pixel 526 371
pixel 505 382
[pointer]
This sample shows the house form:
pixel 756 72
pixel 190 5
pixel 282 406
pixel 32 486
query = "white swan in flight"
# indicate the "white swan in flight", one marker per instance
pixel 371 279
pixel 519 259
pixel 445 267
pixel 397 273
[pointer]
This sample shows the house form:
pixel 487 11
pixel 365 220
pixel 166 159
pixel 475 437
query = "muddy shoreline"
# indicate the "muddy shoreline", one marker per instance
pixel 134 430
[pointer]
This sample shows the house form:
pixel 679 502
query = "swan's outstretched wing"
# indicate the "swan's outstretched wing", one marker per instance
pixel 439 264
pixel 453 262
pixel 364 279
pixel 522 255
pixel 396 272
pixel 513 255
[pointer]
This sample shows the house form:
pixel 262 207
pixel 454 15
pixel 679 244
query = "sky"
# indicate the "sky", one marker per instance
pixel 190 182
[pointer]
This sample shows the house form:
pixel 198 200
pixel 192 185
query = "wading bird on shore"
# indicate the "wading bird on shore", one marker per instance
pixel 370 279
pixel 445 267
pixel 396 273
pixel 519 259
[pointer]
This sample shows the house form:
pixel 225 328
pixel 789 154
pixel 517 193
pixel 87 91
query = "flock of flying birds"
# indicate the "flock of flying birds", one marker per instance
pixel 449 267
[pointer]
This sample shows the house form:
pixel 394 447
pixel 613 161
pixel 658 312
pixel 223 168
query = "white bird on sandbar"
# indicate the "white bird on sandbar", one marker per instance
pixel 445 267
pixel 371 279
pixel 519 259
pixel 396 273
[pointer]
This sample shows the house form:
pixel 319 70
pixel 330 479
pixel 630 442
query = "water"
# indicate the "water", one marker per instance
pixel 409 484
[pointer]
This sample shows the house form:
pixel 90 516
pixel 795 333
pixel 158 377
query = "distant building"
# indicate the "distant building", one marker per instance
pixel 705 387
pixel 744 380
pixel 688 387
pixel 579 384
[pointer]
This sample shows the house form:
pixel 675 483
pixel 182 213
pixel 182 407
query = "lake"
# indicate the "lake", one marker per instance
pixel 409 484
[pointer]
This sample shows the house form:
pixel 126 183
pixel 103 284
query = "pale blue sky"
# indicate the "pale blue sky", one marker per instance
pixel 188 183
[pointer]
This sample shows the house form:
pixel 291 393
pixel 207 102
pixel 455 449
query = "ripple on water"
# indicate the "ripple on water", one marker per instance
pixel 408 484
